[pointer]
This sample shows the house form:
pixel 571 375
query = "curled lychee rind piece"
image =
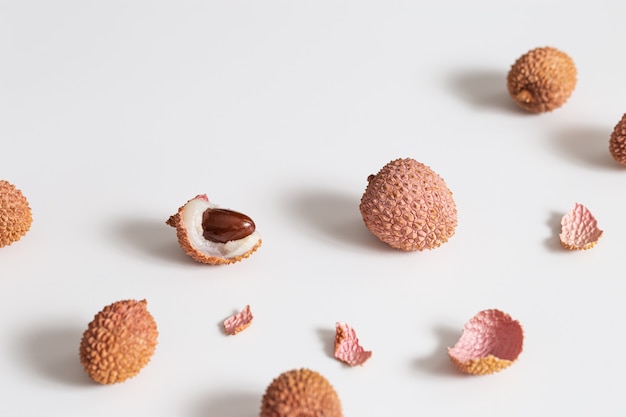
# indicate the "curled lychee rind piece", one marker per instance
pixel 238 322
pixel 542 79
pixel 119 342
pixel 490 342
pixel 214 235
pixel 300 393
pixel 617 141
pixel 409 206
pixel 347 347
pixel 579 229
pixel 15 214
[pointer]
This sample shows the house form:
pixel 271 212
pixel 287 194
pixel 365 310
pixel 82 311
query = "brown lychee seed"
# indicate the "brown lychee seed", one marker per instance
pixel 491 341
pixel 617 141
pixel 15 214
pixel 214 235
pixel 409 206
pixel 542 79
pixel 119 342
pixel 300 393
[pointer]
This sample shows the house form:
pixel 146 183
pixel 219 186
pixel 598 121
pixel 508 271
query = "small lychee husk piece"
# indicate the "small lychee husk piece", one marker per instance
pixel 238 322
pixel 347 346
pixel 491 341
pixel 617 141
pixel 409 206
pixel 15 214
pixel 542 79
pixel 188 224
pixel 579 229
pixel 119 342
pixel 300 393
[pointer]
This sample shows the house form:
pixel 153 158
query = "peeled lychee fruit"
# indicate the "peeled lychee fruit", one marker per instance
pixel 408 206
pixel 490 342
pixel 300 393
pixel 542 79
pixel 15 214
pixel 617 141
pixel 119 342
pixel 214 235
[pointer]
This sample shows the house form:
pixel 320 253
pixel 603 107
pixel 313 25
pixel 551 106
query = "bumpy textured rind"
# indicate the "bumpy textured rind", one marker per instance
pixel 491 341
pixel 482 366
pixel 347 346
pixel 238 322
pixel 119 342
pixel 409 206
pixel 183 239
pixel 300 393
pixel 542 79
pixel 15 214
pixel 617 141
pixel 579 229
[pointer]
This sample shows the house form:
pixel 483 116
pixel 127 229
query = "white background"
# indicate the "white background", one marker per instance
pixel 115 113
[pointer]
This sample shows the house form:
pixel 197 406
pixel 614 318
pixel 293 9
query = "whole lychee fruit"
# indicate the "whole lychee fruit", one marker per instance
pixel 617 142
pixel 300 393
pixel 409 206
pixel 214 235
pixel 119 342
pixel 542 79
pixel 15 214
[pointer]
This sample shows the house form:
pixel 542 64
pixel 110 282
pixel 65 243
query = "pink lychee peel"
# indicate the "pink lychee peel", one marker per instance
pixel 347 347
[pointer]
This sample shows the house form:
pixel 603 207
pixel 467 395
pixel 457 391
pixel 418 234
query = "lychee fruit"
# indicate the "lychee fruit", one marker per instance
pixel 214 235
pixel 15 214
pixel 617 141
pixel 119 342
pixel 300 393
pixel 542 79
pixel 409 206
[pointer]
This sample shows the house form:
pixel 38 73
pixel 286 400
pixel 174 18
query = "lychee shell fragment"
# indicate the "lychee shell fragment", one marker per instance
pixel 347 346
pixel 15 214
pixel 579 229
pixel 300 393
pixel 491 341
pixel 409 206
pixel 119 342
pixel 238 322
pixel 188 224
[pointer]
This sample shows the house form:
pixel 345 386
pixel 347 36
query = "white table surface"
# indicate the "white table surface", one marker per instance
pixel 114 113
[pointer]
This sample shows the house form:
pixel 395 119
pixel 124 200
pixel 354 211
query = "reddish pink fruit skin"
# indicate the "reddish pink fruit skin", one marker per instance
pixel 238 322
pixel 409 206
pixel 347 347
pixel 490 342
pixel 579 229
